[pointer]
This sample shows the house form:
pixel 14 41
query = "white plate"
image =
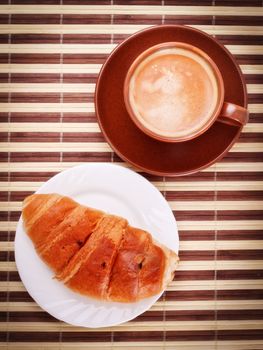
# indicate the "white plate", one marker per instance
pixel 115 190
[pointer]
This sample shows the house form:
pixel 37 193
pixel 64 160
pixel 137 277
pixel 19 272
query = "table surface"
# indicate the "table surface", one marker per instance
pixel 48 124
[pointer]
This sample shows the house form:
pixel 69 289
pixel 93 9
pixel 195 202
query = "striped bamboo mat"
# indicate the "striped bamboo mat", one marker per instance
pixel 50 54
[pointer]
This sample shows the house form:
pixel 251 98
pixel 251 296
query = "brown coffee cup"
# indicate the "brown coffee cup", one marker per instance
pixel 174 92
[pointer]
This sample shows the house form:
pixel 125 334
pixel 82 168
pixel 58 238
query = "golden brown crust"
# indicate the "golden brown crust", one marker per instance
pixel 40 226
pixel 105 228
pixel 68 237
pixel 35 206
pixel 171 263
pixel 58 227
pixel 93 276
pixel 124 281
pixel 94 253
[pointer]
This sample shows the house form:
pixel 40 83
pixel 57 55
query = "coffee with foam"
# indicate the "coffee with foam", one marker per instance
pixel 173 92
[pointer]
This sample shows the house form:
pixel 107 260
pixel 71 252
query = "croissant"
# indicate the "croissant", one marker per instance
pixel 94 253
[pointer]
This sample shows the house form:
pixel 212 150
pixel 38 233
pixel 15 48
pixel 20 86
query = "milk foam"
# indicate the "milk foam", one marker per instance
pixel 173 92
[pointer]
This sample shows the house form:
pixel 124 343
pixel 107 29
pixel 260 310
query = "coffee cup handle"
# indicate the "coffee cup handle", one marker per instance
pixel 232 114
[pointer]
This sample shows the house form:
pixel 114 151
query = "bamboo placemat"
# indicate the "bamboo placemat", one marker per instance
pixel 51 52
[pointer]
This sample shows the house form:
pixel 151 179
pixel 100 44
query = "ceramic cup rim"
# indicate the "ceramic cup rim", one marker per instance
pixel 220 95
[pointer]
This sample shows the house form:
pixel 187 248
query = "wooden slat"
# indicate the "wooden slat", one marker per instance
pixel 119 29
pixel 134 326
pixel 156 345
pixel 125 9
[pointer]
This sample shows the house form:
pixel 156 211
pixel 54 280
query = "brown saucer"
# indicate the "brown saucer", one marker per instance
pixel 129 142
